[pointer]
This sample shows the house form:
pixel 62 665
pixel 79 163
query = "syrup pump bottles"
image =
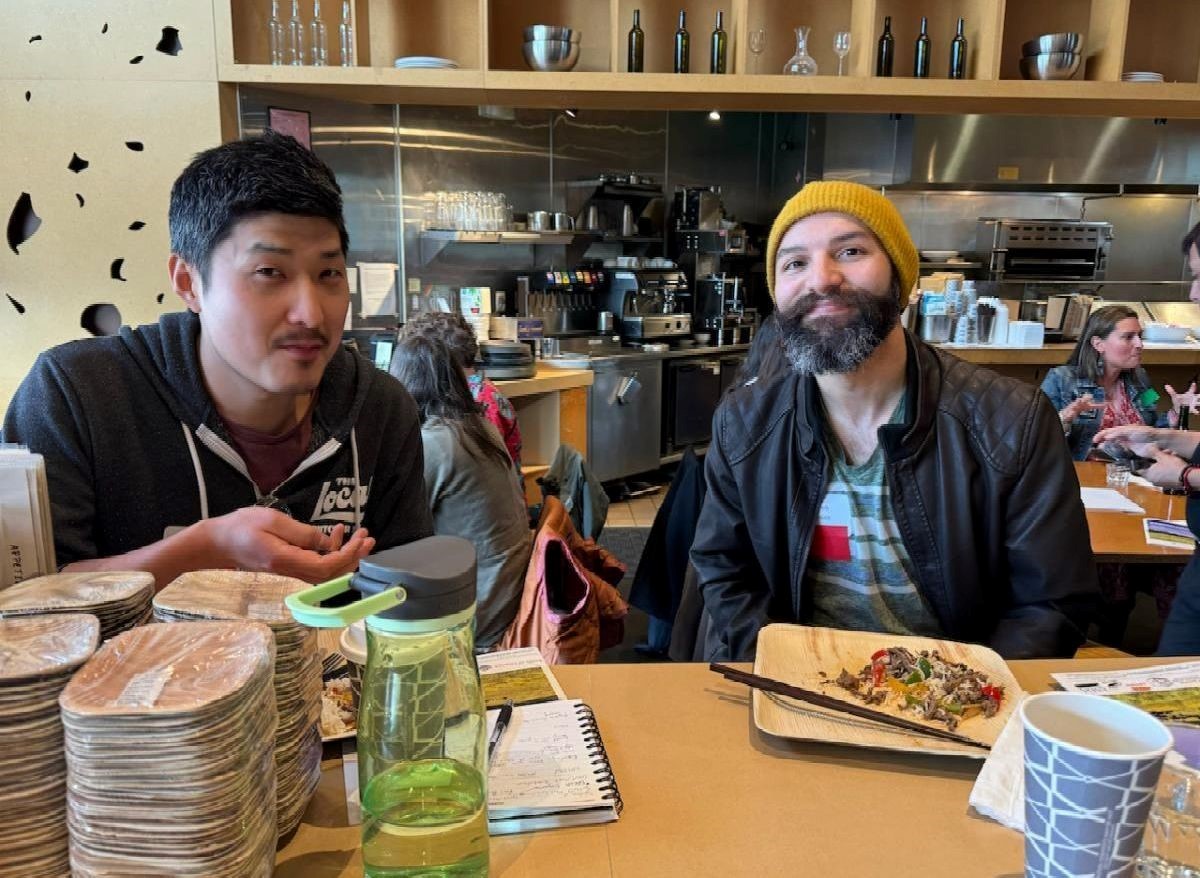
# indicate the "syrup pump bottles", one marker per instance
pixel 885 56
pixel 637 44
pixel 683 45
pixel 921 51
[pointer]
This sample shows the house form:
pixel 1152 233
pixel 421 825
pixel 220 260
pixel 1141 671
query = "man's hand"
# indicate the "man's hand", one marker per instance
pixel 1076 407
pixel 1165 470
pixel 257 538
pixel 1139 439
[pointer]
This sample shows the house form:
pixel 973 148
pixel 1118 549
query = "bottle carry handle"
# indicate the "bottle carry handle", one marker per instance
pixel 304 605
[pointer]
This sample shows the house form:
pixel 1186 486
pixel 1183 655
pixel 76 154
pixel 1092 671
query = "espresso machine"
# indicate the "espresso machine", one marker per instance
pixel 711 252
pixel 721 310
pixel 650 304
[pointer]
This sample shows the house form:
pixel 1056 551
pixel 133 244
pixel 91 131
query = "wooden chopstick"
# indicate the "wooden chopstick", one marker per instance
pixel 766 684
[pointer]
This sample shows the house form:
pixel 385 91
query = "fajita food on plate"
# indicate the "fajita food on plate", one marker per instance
pixel 924 684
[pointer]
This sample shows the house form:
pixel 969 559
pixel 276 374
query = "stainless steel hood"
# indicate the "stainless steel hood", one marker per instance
pixel 1017 151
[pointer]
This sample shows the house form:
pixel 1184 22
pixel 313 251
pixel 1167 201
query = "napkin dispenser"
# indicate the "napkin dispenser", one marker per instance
pixel 1026 334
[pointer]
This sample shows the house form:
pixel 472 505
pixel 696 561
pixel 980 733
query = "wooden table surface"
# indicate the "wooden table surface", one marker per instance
pixel 1118 536
pixel 707 794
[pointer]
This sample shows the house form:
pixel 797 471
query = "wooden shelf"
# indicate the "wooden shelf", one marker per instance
pixel 647 91
pixel 484 37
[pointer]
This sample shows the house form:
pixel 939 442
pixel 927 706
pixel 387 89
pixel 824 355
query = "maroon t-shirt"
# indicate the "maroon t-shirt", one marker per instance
pixel 271 459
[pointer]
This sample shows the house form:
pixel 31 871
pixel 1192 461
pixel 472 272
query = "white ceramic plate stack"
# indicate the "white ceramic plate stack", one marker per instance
pixel 170 733
pixel 37 657
pixel 120 600
pixel 411 61
pixel 1141 76
pixel 230 594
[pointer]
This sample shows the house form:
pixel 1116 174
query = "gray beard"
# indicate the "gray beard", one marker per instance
pixel 817 350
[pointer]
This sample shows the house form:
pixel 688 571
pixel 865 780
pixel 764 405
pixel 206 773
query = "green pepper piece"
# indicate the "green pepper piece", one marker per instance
pixel 925 667
pixel 952 707
pixel 914 677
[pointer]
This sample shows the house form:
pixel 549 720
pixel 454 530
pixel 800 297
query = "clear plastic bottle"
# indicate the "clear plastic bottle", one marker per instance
pixel 295 38
pixel 318 37
pixel 346 36
pixel 421 734
pixel 275 34
pixel 422 755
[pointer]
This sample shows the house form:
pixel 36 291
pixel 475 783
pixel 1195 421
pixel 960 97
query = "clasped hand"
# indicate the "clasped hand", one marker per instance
pixel 258 538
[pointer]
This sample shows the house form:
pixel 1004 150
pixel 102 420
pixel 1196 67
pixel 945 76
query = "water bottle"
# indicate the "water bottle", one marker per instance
pixel 421 727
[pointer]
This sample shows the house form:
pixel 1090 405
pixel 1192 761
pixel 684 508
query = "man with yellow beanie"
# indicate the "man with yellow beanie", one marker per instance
pixel 878 484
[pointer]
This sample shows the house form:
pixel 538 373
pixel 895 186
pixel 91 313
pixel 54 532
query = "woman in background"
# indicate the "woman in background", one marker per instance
pixel 454 331
pixel 1102 386
pixel 468 480
pixel 1103 383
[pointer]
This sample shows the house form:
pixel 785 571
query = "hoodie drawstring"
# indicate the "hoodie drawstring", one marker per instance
pixel 187 434
pixel 357 481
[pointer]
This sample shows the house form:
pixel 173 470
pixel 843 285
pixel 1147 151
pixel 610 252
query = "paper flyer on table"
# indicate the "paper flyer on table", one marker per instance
pixel 1108 500
pixel 520 674
pixel 1169 692
pixel 1169 532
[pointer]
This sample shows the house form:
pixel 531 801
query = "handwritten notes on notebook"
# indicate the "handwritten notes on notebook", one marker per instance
pixel 550 769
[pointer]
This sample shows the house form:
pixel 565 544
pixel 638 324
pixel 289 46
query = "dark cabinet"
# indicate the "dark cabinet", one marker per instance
pixel 692 391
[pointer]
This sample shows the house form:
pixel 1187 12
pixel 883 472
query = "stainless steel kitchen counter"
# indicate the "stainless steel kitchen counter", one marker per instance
pixel 635 356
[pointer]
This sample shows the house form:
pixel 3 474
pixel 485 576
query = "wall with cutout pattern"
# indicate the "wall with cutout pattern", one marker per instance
pixel 101 105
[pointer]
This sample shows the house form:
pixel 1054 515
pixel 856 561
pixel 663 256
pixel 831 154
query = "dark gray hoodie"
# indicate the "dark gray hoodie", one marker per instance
pixel 134 447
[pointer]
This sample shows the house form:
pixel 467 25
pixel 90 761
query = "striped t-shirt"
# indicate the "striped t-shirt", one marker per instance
pixel 858 572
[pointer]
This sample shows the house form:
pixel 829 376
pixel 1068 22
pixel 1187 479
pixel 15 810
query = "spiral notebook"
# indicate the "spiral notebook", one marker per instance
pixel 550 769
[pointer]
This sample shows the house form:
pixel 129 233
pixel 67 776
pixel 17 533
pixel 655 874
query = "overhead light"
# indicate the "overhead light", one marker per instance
pixel 571 114
pixel 714 116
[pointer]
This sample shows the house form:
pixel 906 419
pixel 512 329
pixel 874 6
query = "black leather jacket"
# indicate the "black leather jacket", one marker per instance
pixel 984 493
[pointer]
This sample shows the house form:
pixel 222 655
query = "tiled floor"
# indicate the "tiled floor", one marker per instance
pixel 638 512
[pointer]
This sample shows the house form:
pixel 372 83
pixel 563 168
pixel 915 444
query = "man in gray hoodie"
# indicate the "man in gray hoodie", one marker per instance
pixel 239 432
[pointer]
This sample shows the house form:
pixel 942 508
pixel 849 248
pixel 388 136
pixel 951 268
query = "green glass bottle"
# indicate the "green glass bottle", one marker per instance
pixel 683 45
pixel 716 63
pixel 921 51
pixel 637 44
pixel 958 54
pixel 886 54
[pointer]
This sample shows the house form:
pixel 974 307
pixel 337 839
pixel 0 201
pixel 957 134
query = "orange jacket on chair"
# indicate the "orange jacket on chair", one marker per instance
pixel 570 608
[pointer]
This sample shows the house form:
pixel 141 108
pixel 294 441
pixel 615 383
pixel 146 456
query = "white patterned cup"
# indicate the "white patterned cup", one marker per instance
pixel 1091 769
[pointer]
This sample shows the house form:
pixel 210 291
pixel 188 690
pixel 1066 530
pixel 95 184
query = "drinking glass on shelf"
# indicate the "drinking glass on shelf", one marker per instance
pixel 841 45
pixel 758 42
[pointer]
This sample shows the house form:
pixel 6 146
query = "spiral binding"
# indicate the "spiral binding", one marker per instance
pixel 606 782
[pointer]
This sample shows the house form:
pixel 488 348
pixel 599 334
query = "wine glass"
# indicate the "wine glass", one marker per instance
pixel 758 42
pixel 841 45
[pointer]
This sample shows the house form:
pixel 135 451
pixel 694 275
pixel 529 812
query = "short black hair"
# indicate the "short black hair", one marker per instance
pixel 1191 239
pixel 271 173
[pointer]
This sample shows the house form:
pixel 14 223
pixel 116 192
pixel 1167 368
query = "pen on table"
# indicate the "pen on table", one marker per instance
pixel 501 726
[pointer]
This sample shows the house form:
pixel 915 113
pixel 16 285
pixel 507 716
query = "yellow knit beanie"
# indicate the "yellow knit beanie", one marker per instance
pixel 864 204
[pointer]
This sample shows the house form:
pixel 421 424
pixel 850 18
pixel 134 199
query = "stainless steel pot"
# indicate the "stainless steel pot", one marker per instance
pixel 563 222
pixel 539 221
